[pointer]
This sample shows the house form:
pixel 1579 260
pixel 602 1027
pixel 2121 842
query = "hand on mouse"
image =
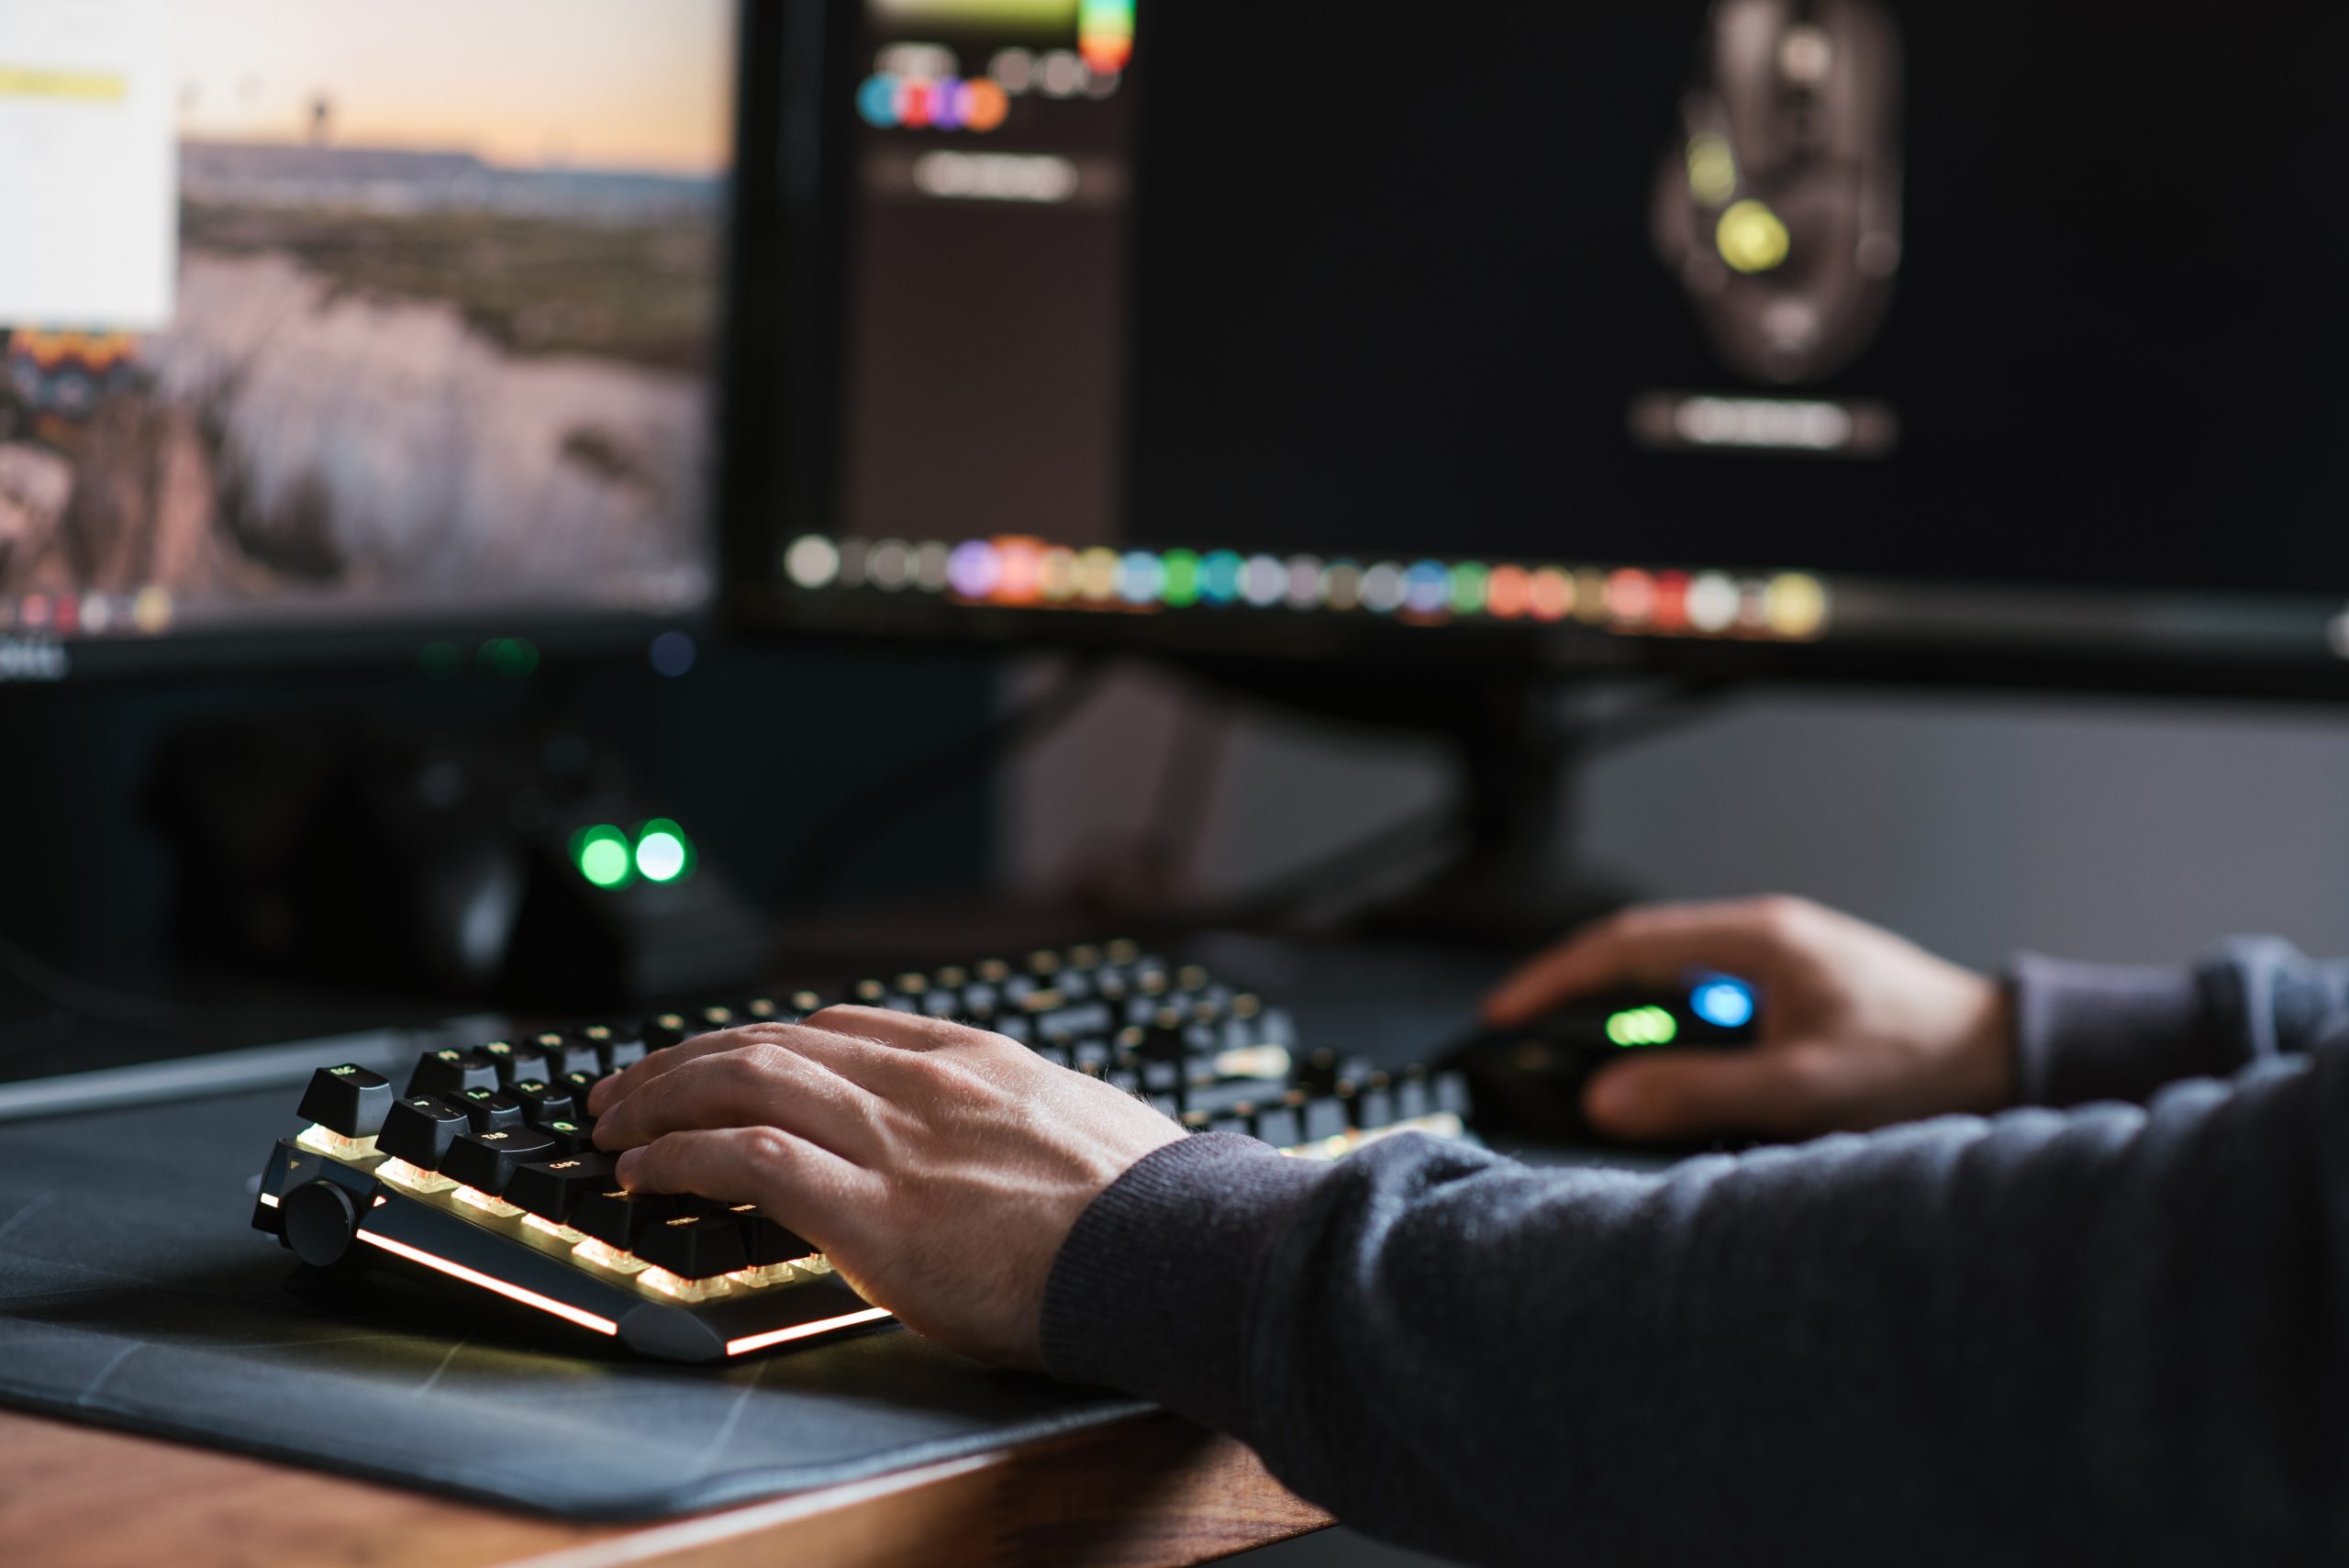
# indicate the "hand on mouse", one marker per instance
pixel 937 1166
pixel 1859 1029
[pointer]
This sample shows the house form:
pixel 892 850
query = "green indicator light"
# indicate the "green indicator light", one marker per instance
pixel 1220 577
pixel 511 657
pixel 1181 588
pixel 1468 587
pixel 664 853
pixel 1643 1026
pixel 602 855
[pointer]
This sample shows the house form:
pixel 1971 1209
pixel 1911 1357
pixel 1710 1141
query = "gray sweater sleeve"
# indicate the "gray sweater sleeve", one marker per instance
pixel 2108 1335
pixel 2087 1032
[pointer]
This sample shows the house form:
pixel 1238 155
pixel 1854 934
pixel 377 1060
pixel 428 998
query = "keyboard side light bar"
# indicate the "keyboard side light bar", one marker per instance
pixel 806 1331
pixel 511 1292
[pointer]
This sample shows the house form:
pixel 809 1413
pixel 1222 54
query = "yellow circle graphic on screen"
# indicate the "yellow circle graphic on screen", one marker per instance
pixel 1753 238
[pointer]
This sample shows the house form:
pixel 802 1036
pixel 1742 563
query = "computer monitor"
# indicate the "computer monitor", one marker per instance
pixel 326 327
pixel 1789 337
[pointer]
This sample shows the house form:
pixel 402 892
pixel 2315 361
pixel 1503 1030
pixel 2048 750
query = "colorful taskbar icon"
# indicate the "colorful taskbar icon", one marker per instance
pixel 1031 574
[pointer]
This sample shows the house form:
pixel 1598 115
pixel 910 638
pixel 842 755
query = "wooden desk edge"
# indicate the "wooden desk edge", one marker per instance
pixel 1154 1492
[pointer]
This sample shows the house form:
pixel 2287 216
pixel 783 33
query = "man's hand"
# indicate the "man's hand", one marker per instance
pixel 937 1166
pixel 1859 1029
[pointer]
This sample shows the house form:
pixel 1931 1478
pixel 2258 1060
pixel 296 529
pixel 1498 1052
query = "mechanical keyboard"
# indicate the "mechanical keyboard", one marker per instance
pixel 482 1169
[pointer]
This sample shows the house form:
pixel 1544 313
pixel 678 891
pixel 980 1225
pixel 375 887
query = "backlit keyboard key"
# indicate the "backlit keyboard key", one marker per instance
pixel 695 1246
pixel 552 1189
pixel 573 1135
pixel 518 1062
pixel 348 1100
pixel 490 1109
pixel 620 1219
pixel 485 1162
pixel 452 1073
pixel 420 1128
pixel 542 1103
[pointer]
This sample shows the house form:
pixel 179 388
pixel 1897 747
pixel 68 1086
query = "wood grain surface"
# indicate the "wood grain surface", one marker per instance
pixel 1150 1493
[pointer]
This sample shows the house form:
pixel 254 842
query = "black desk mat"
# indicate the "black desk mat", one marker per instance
pixel 133 1293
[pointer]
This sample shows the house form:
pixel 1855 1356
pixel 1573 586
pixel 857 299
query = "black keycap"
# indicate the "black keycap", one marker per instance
pixel 570 1055
pixel 452 1071
pixel 349 1100
pixel 1374 1107
pixel 1279 1127
pixel 485 1162
pixel 621 1050
pixel 491 1110
pixel 1451 1093
pixel 420 1130
pixel 695 1246
pixel 1325 1118
pixel 622 1218
pixel 1089 1020
pixel 573 1135
pixel 517 1064
pixel 580 1086
pixel 764 1242
pixel 1412 1100
pixel 552 1189
pixel 1236 1124
pixel 542 1103
pixel 664 1030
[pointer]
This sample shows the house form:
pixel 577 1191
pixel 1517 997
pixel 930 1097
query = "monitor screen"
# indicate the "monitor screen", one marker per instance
pixel 343 316
pixel 1772 320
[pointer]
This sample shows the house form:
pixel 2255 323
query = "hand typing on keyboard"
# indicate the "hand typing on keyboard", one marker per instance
pixel 939 1166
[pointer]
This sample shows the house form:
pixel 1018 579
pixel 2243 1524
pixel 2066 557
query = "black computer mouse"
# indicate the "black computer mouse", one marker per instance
pixel 1528 1080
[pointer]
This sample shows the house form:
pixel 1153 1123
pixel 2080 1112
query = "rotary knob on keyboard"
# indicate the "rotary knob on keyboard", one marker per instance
pixel 348 1100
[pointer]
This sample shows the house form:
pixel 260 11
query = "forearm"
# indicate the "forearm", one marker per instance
pixel 2046 1338
pixel 2092 1032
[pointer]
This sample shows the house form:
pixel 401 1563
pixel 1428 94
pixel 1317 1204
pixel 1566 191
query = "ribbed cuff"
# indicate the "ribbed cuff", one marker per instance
pixel 2087 1032
pixel 1151 1291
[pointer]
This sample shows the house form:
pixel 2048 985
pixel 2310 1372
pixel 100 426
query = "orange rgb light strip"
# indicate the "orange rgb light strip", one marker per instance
pixel 804 1330
pixel 511 1292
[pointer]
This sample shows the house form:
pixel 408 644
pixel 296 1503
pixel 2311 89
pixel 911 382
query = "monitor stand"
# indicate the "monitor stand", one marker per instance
pixel 1510 875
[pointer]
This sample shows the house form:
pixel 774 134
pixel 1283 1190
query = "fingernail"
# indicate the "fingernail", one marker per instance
pixel 627 1167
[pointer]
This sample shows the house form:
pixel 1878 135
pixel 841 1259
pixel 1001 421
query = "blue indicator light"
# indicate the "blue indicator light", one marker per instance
pixel 878 102
pixel 1724 1004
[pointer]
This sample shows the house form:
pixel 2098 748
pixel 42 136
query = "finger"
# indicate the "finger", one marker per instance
pixel 1651 945
pixel 807 1190
pixel 757 1084
pixel 907 1031
pixel 1682 1095
pixel 611 1091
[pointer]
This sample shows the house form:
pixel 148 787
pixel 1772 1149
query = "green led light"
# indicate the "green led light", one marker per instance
pixel 664 853
pixel 1641 1027
pixel 510 657
pixel 1181 587
pixel 1469 582
pixel 603 857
